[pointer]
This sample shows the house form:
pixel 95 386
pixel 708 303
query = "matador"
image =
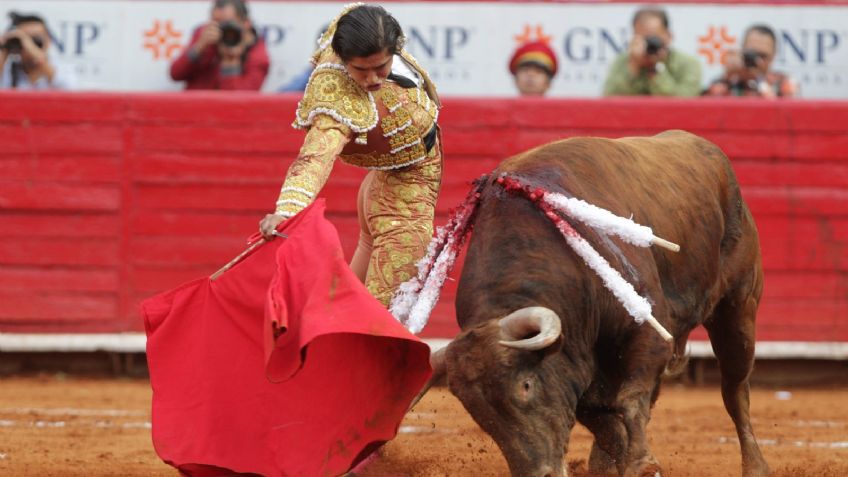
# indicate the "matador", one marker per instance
pixel 393 133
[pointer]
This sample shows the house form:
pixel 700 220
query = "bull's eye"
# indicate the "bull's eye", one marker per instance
pixel 526 390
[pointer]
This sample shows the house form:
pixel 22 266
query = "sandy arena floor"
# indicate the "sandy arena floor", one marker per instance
pixel 54 426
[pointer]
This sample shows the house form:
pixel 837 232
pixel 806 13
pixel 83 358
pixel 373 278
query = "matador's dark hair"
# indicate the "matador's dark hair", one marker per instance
pixel 367 30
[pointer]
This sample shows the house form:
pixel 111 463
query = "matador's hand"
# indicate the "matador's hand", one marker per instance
pixel 269 224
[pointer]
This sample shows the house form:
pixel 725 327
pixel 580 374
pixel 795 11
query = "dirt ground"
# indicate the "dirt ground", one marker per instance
pixel 60 426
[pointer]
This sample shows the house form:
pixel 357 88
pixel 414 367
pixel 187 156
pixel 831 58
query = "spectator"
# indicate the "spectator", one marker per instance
pixel 299 81
pixel 226 53
pixel 533 65
pixel 25 57
pixel 748 73
pixel 651 66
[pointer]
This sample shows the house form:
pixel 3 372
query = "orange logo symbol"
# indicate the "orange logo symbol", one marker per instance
pixel 162 40
pixel 528 36
pixel 715 45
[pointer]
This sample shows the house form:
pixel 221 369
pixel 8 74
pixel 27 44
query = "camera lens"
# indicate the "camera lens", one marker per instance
pixel 750 58
pixel 230 33
pixel 653 44
pixel 13 45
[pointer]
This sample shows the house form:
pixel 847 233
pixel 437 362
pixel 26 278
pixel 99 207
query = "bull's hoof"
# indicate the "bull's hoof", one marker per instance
pixel 648 467
pixel 761 469
pixel 603 471
pixel 601 464
pixel 753 463
pixel 652 470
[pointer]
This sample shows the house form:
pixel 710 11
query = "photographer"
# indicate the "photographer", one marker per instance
pixel 226 53
pixel 748 72
pixel 24 57
pixel 651 66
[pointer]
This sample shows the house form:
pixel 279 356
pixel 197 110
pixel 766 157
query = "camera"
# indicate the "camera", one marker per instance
pixel 653 45
pixel 13 45
pixel 750 58
pixel 230 33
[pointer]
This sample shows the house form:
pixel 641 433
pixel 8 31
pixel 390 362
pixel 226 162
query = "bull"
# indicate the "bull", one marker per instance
pixel 544 345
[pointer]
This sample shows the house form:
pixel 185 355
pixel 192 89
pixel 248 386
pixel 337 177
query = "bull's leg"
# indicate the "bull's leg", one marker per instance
pixel 643 361
pixel 601 463
pixel 731 332
pixel 607 456
pixel 639 460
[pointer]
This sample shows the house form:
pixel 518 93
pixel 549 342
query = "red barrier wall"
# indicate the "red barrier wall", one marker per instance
pixel 106 199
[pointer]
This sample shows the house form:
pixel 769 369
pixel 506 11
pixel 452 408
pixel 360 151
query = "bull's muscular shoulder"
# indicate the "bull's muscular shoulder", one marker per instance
pixel 685 139
pixel 665 181
pixel 680 141
pixel 669 148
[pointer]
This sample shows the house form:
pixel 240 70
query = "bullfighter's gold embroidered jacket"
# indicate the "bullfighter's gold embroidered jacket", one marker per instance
pixel 383 130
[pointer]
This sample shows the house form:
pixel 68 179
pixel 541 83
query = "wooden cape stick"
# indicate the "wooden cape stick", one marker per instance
pixel 240 256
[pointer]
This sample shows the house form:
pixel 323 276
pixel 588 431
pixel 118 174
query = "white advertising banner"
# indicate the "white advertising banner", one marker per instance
pixel 129 44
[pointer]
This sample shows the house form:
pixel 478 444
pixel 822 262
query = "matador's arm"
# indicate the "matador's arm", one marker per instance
pixel 309 172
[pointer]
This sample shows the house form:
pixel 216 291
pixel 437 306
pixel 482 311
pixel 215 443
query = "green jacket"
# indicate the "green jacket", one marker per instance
pixel 680 77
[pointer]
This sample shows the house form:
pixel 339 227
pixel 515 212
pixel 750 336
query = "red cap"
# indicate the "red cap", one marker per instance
pixel 537 53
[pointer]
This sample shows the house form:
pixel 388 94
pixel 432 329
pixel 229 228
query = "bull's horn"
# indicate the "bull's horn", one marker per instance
pixel 522 322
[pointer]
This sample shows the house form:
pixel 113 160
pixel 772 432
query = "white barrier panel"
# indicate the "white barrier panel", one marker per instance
pixel 136 343
pixel 128 44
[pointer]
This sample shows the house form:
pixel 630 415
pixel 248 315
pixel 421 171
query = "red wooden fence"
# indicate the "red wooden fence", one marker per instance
pixel 106 199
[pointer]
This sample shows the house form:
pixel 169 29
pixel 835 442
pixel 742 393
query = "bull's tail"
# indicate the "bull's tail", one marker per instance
pixel 416 298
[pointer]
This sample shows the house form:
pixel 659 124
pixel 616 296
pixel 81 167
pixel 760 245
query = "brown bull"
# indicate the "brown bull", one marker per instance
pixel 567 350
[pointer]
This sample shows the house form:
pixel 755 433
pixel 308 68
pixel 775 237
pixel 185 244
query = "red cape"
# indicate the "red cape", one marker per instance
pixel 328 389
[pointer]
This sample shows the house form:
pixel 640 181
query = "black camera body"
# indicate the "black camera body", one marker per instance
pixel 750 58
pixel 230 33
pixel 14 46
pixel 653 45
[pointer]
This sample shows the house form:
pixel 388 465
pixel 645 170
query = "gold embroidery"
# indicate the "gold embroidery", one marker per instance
pixel 401 202
pixel 383 162
pixel 401 205
pixel 429 86
pixel 425 105
pixel 402 138
pixel 411 113
pixel 389 97
pixel 404 129
pixel 333 92
pixel 308 173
